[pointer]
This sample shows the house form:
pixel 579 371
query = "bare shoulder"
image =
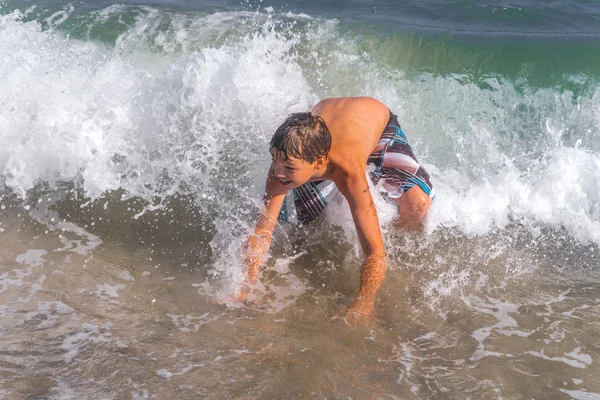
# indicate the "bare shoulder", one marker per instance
pixel 367 102
pixel 353 114
pixel 345 104
pixel 323 104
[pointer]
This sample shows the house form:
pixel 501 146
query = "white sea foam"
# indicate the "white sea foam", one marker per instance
pixel 168 374
pixel 90 333
pixel 182 105
pixel 581 394
pixel 575 360
pixel 191 323
pixel 106 291
pixel 32 258
pixel 127 276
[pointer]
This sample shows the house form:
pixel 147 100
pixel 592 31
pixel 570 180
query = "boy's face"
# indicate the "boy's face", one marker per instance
pixel 291 172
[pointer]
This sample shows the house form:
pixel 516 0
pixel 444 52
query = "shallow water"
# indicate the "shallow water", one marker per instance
pixel 90 317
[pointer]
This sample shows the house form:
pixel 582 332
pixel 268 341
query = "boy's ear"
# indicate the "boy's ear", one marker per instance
pixel 320 163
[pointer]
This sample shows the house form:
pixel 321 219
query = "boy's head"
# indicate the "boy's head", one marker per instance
pixel 299 147
pixel 303 136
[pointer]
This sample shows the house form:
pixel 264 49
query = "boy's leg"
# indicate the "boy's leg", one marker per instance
pixel 412 208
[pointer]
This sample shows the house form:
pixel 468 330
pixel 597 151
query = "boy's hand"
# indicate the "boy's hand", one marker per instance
pixel 241 297
pixel 359 311
pixel 254 249
pixel 249 292
pixel 250 283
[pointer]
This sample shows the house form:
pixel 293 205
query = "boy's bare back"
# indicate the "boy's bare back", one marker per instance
pixel 355 124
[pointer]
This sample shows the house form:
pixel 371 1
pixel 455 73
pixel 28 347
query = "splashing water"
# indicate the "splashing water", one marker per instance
pixel 133 149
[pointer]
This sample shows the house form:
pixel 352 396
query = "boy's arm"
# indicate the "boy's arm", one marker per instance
pixel 258 243
pixel 356 190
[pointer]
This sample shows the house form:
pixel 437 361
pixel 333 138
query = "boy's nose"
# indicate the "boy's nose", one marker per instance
pixel 279 171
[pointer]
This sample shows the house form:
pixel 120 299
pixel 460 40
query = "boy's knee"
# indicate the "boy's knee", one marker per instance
pixel 418 200
pixel 413 206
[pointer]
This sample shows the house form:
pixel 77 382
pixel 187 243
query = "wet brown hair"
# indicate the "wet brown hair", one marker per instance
pixel 304 136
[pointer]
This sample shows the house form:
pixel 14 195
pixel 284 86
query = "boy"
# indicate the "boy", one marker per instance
pixel 333 145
